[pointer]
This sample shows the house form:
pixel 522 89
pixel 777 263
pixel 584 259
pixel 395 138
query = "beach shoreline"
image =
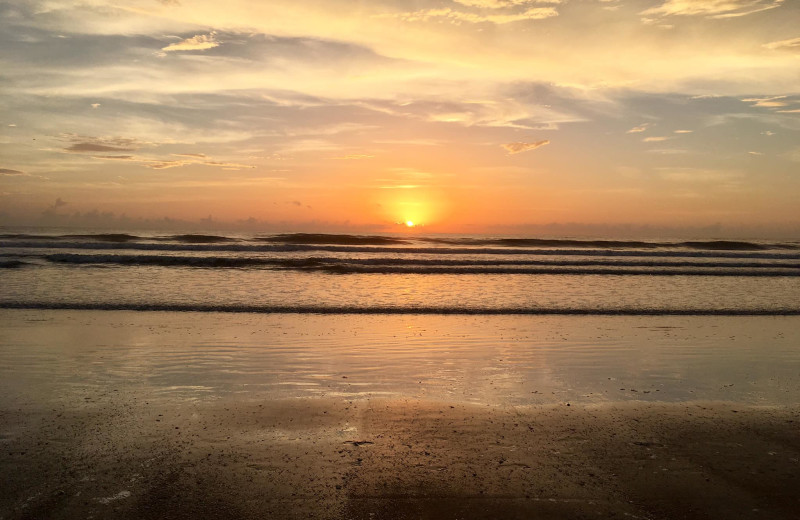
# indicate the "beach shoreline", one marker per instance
pixel 142 415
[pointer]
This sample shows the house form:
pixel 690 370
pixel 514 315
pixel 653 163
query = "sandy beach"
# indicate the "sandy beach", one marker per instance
pixel 312 458
pixel 141 423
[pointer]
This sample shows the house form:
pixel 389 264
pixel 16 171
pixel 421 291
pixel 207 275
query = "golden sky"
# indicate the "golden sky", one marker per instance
pixel 459 115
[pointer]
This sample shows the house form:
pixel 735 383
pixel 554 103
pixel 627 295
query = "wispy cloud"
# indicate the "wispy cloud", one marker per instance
pixel 515 148
pixel 195 155
pixel 500 4
pixel 701 175
pixel 640 128
pixel 712 8
pixel 90 144
pixel 792 44
pixel 198 42
pixel 767 102
pixel 457 16
pixel 354 156
pixel 668 151
pixel 115 157
pixel 95 147
pixel 10 172
pixel 164 164
pixel 98 147
pixel 655 139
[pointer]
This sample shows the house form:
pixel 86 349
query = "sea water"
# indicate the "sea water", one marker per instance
pixel 315 273
pixel 501 321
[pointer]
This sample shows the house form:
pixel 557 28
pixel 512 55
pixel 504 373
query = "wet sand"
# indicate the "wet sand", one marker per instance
pixel 376 458
pixel 169 416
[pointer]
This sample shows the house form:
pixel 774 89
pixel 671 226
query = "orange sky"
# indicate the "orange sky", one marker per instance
pixel 462 115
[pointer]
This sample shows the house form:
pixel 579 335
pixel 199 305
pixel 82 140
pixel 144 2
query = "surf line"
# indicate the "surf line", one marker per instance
pixel 290 309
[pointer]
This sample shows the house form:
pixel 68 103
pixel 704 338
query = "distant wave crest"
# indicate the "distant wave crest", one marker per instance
pixel 323 239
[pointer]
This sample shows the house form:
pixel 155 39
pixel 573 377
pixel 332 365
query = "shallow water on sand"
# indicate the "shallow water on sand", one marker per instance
pixel 77 356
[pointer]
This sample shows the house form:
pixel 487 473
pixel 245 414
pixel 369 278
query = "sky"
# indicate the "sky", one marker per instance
pixel 458 115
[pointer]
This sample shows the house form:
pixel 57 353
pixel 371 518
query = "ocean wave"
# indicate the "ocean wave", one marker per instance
pixel 195 239
pixel 195 244
pixel 353 269
pixel 289 309
pixel 97 237
pixel 12 264
pixel 711 245
pixel 444 262
pixel 324 238
pixel 440 266
pixel 106 237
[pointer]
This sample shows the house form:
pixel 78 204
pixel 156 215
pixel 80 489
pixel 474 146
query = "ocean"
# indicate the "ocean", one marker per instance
pixel 153 375
pixel 413 274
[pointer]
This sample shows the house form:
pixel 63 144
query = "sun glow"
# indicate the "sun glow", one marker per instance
pixel 411 209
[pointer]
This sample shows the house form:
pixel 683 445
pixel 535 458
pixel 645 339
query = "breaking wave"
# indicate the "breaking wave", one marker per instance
pixel 399 265
pixel 207 243
pixel 383 240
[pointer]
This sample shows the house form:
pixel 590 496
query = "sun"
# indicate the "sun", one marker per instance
pixel 409 223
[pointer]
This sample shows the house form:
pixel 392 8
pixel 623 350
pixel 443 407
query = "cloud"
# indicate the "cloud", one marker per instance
pixel 195 155
pixel 515 148
pixel 766 102
pixel 199 42
pixel 455 16
pixel 791 44
pixel 668 151
pixel 187 159
pixel 684 131
pixel 94 147
pixel 163 165
pixel 637 129
pixel 354 156
pixel 700 175
pixel 115 157
pixel 58 203
pixel 499 4
pixel 712 8
pixel 8 171
pixel 227 165
pixel 90 144
pixel 655 139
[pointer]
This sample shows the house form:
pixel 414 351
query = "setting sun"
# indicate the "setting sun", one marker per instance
pixel 409 223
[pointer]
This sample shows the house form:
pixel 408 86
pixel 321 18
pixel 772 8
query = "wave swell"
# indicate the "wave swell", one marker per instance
pixel 472 251
pixel 384 240
pixel 287 309
pixel 398 265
